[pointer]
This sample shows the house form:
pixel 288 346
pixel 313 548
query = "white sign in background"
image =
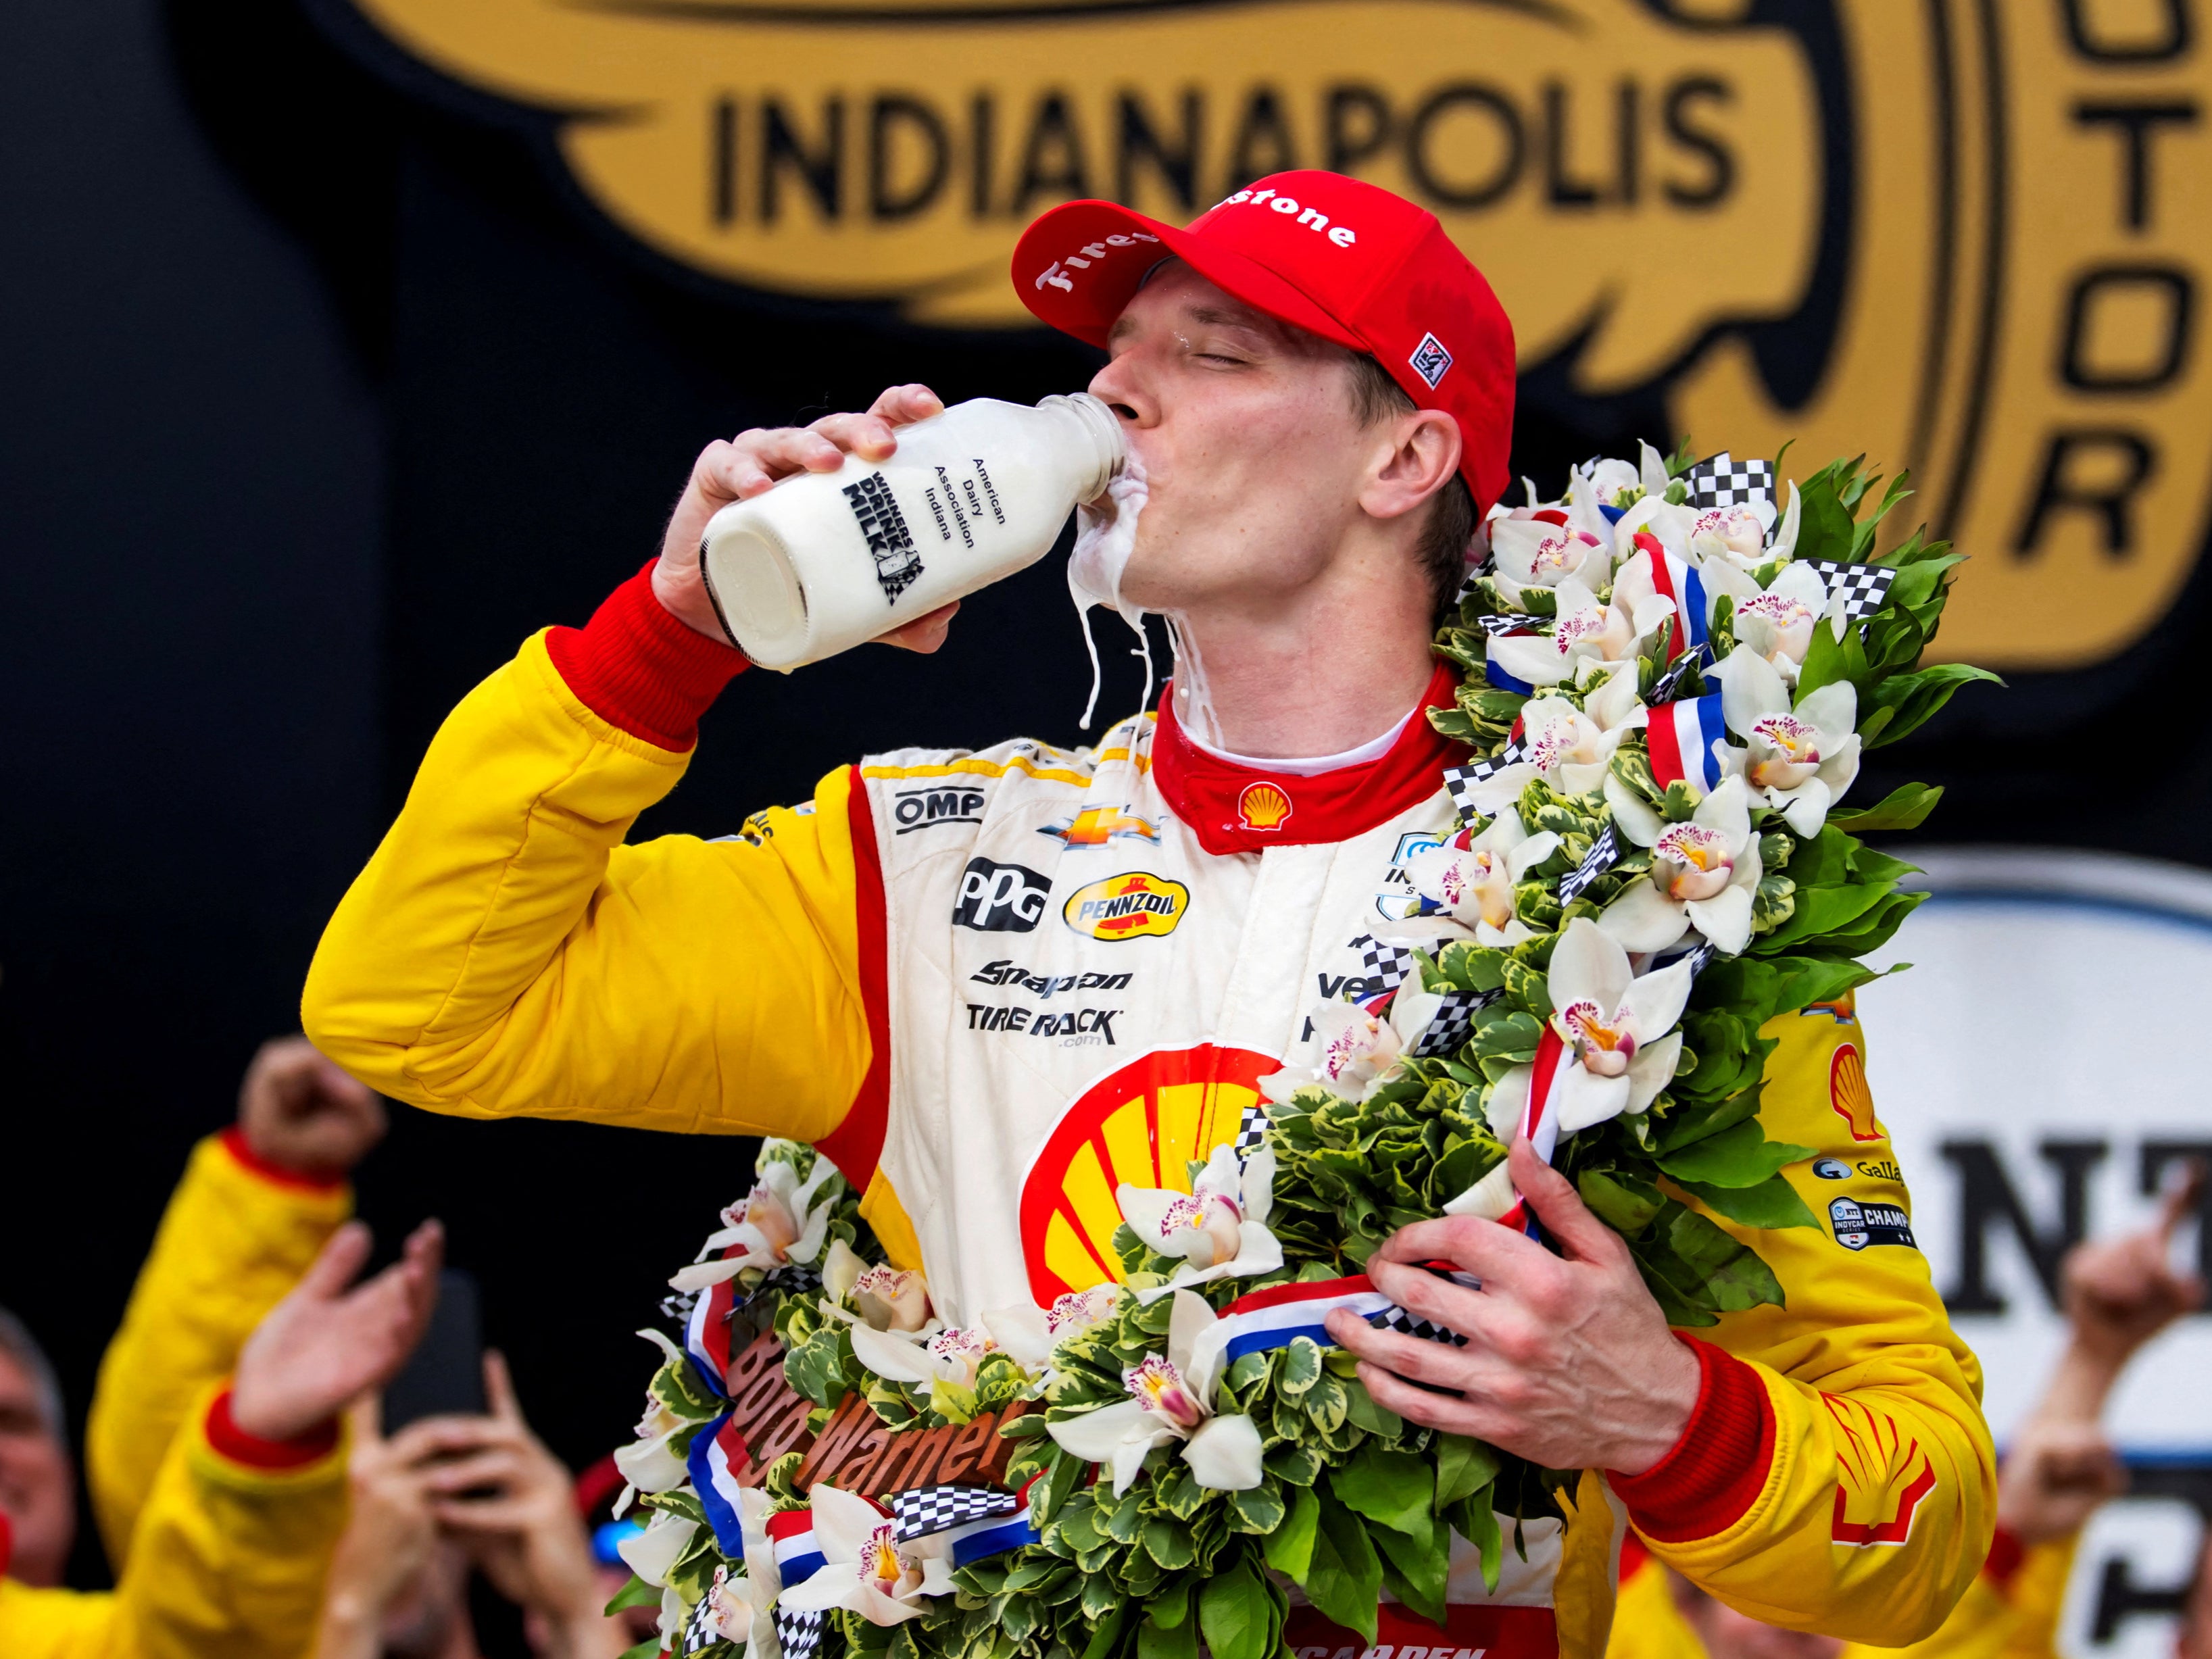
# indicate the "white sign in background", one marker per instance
pixel 2039 1068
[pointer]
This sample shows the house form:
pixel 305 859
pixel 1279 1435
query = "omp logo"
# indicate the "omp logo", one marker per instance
pixel 1263 806
pixel 1965 240
pixel 1136 905
pixel 1094 826
pixel 920 809
pixel 1000 898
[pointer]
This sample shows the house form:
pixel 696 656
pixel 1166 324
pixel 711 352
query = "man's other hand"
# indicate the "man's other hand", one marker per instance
pixel 1569 1362
pixel 742 467
pixel 298 1111
pixel 324 1346
pixel 2120 1292
pixel 496 1489
pixel 2054 1478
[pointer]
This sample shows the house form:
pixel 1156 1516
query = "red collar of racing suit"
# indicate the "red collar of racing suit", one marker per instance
pixel 1240 809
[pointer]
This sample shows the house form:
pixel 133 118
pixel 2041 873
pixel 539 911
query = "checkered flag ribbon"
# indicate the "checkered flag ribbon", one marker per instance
pixel 699 1631
pixel 1412 1324
pixel 1856 589
pixel 794 1279
pixel 1698 957
pixel 1460 781
pixel 1668 684
pixel 921 1511
pixel 800 1634
pixel 1452 1025
pixel 1387 964
pixel 1604 853
pixel 1718 480
pixel 1495 624
pixel 678 1307
pixel 1251 1128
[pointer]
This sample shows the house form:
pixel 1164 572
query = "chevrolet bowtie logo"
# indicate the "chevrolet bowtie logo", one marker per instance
pixel 1094 826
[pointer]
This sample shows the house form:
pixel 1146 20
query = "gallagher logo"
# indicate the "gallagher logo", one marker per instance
pixel 1094 826
pixel 1968 239
pixel 1134 905
pixel 1262 806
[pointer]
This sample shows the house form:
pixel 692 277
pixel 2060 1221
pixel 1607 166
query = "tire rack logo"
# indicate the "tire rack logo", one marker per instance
pixel 1000 898
pixel 1963 240
pixel 898 563
pixel 1134 905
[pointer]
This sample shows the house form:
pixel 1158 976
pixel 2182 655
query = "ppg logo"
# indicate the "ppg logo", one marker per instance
pixel 1000 898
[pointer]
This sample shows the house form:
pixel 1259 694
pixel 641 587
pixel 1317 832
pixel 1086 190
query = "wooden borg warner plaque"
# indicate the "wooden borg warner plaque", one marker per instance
pixel 855 1451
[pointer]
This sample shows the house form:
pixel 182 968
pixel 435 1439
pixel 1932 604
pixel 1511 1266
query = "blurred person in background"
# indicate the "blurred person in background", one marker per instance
pixel 446 1495
pixel 214 1452
pixel 2060 1469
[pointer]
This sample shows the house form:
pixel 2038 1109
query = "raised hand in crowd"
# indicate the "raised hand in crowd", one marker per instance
pixel 447 1494
pixel 325 1345
pixel 298 1112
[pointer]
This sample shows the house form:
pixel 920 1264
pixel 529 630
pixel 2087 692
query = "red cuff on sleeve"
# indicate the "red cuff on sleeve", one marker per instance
pixel 1717 1468
pixel 255 1453
pixel 639 669
pixel 234 1143
pixel 2006 1554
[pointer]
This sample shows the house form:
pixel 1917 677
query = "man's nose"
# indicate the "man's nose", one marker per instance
pixel 1123 386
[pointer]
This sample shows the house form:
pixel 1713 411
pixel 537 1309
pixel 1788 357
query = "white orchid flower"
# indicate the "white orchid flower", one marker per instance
pixel 1801 759
pixel 653 1554
pixel 1733 536
pixel 1705 873
pixel 1610 478
pixel 649 1463
pixel 1776 621
pixel 842 1268
pixel 891 1300
pixel 948 1355
pixel 1544 550
pixel 1171 1399
pixel 737 1613
pixel 1585 631
pixel 1618 1029
pixel 1353 1051
pixel 779 1221
pixel 1570 748
pixel 1030 1334
pixel 1219 1227
pixel 864 1568
pixel 1474 882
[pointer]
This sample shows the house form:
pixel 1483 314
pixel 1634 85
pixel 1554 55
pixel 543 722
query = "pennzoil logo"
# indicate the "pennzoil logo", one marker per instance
pixel 1964 240
pixel 1134 905
pixel 1263 806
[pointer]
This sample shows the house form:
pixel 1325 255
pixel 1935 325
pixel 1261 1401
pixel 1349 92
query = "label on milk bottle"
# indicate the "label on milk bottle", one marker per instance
pixel 898 561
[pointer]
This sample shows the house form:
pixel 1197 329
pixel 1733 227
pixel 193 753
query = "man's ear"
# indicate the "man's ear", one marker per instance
pixel 1422 454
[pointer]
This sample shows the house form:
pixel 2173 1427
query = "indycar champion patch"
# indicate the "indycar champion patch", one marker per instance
pixel 1857 1225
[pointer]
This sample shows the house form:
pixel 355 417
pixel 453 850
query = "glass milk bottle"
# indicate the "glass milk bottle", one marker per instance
pixel 826 560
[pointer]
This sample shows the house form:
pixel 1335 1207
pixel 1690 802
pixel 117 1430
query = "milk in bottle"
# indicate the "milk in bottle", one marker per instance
pixel 825 561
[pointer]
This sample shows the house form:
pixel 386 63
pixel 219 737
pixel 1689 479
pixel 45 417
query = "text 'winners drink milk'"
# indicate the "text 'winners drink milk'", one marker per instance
pixel 826 560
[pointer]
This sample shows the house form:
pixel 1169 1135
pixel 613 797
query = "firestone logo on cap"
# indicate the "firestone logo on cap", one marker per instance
pixel 1084 257
pixel 1313 218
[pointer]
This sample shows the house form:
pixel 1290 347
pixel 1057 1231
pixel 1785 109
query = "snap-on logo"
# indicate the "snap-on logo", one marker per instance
pixel 1084 257
pixel 1430 360
pixel 1312 218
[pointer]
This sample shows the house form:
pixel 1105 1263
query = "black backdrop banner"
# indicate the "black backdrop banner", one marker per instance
pixel 343 356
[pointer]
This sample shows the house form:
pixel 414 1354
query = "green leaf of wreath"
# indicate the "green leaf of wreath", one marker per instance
pixel 1394 1489
pixel 1235 1614
pixel 1344 1579
pixel 1739 1156
pixel 1773 1202
pixel 1905 807
pixel 1290 1547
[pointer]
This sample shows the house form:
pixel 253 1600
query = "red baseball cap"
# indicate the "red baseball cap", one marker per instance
pixel 1344 259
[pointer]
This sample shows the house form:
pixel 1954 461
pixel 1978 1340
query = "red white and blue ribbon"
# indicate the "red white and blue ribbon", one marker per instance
pixel 718 1452
pixel 1540 1117
pixel 791 1535
pixel 993 1535
pixel 1680 738
pixel 1279 1315
pixel 707 1334
pixel 1674 577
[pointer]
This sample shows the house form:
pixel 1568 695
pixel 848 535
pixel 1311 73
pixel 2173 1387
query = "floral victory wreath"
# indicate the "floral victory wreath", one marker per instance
pixel 1668 686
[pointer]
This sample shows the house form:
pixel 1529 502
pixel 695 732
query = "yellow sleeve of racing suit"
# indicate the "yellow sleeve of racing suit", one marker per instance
pixel 505 954
pixel 1863 1500
pixel 237 1236
pixel 228 1560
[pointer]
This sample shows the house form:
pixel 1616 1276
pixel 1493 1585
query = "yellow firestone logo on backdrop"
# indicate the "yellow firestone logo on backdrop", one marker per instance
pixel 1964 236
